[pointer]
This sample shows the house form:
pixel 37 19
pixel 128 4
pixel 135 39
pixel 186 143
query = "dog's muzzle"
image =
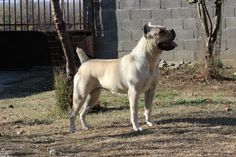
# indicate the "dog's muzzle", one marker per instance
pixel 168 44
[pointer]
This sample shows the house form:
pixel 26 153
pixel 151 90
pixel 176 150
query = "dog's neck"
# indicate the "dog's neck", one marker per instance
pixel 146 49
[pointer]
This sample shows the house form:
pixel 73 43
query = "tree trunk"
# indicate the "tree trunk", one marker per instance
pixel 211 33
pixel 64 38
pixel 210 59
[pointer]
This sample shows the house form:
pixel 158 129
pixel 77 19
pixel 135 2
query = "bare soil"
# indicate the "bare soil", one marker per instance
pixel 194 117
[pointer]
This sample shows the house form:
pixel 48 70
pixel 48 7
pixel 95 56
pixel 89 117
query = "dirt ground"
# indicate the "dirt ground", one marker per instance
pixel 193 117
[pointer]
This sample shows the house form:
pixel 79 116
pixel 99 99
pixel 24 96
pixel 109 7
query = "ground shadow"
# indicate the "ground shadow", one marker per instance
pixel 18 84
pixel 216 121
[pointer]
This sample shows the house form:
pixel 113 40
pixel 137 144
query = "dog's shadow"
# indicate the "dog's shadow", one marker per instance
pixel 132 134
pixel 100 109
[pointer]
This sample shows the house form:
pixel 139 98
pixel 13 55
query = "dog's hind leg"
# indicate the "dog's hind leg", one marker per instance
pixel 149 95
pixel 78 101
pixel 90 101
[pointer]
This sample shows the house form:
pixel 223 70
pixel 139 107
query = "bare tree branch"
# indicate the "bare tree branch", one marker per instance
pixel 64 38
pixel 203 17
pixel 208 16
pixel 218 14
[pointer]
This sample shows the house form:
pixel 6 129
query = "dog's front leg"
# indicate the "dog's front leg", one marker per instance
pixel 133 101
pixel 149 95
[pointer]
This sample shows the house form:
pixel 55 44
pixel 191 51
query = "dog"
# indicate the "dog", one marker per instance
pixel 133 74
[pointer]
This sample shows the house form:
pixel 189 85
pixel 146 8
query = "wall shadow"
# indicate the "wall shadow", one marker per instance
pixel 24 64
pixel 106 40
pixel 21 50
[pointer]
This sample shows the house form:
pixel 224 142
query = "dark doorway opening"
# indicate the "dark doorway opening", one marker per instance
pixel 23 49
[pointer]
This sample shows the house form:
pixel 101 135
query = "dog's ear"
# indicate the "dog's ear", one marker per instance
pixel 146 29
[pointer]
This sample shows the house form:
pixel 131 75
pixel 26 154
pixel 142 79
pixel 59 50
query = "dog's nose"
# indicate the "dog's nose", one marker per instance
pixel 172 31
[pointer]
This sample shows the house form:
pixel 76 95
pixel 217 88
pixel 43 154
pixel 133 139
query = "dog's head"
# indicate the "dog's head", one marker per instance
pixel 160 37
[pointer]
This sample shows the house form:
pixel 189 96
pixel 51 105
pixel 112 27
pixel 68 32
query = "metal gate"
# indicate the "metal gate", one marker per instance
pixel 36 15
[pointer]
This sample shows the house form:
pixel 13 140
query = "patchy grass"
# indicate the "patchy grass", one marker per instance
pixel 191 120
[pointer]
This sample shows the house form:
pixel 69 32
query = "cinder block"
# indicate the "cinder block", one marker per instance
pixel 191 44
pixel 124 35
pixel 182 13
pixel 228 54
pixel 123 15
pixel 224 45
pixel 161 13
pixel 223 22
pixel 228 33
pixel 131 25
pixel 167 55
pixel 185 56
pixel 120 47
pixel 230 22
pixel 184 4
pixel 230 3
pixel 195 12
pixel 211 11
pixel 147 4
pixel 190 23
pixel 228 62
pixel 140 14
pixel 171 4
pixel 128 46
pixel 184 34
pixel 129 4
pixel 121 54
pixel 210 3
pixel 173 23
pixel 136 35
pixel 180 44
pixel 196 33
pixel 231 44
pixel 153 21
pixel 228 11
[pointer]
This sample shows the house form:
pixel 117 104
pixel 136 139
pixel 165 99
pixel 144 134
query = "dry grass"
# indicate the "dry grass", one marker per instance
pixel 191 121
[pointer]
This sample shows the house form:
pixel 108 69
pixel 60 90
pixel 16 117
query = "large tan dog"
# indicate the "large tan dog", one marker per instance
pixel 133 74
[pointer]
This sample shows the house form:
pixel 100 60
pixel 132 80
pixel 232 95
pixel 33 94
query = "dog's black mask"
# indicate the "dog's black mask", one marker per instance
pixel 169 44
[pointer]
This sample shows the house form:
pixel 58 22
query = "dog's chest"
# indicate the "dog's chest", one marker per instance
pixel 148 75
pixel 149 80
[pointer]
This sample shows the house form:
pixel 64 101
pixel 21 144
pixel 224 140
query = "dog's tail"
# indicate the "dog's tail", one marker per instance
pixel 82 55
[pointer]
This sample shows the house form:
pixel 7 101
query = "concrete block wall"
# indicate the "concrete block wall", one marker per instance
pixel 228 45
pixel 119 27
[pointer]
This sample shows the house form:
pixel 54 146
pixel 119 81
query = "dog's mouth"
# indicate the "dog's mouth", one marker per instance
pixel 169 44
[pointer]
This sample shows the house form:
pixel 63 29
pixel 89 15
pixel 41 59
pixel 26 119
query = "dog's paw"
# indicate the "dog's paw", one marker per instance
pixel 137 129
pixel 86 127
pixel 150 123
pixel 72 130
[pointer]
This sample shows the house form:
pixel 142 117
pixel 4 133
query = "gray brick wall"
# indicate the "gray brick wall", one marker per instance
pixel 119 27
